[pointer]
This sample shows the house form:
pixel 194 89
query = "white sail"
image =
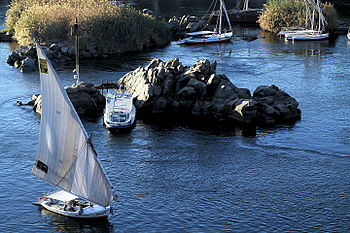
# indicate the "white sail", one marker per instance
pixel 65 157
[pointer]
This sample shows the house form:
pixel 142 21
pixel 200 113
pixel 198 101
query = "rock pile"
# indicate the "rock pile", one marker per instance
pixel 86 99
pixel 180 25
pixel 275 106
pixel 169 87
pixel 25 58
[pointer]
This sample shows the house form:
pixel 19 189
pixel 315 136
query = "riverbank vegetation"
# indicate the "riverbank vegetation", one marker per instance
pixel 291 13
pixel 111 26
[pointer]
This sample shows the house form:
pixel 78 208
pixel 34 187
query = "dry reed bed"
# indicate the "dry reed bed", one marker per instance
pixel 291 13
pixel 111 26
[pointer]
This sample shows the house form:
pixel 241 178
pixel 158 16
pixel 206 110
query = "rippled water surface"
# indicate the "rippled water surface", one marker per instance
pixel 174 177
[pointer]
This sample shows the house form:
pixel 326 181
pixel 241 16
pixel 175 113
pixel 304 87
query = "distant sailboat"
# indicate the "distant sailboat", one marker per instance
pixel 217 36
pixel 65 156
pixel 318 34
pixel 300 30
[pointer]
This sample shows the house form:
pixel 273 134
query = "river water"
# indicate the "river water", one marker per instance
pixel 185 177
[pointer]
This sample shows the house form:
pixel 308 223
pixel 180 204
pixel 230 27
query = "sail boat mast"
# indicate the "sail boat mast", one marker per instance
pixel 227 18
pixel 220 18
pixel 75 32
pixel 245 6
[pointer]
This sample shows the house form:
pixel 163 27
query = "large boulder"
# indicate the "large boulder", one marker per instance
pixel 275 106
pixel 186 23
pixel 86 99
pixel 28 65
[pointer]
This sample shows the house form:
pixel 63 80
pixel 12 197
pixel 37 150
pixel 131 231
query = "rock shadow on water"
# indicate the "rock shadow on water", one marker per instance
pixel 169 122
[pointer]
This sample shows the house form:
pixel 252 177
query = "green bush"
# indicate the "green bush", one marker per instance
pixel 291 13
pixel 112 26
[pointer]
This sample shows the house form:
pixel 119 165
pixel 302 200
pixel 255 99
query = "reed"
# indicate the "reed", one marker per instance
pixel 113 26
pixel 290 13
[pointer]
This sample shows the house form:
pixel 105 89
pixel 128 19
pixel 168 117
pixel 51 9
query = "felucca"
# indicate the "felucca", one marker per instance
pixel 65 156
pixel 217 36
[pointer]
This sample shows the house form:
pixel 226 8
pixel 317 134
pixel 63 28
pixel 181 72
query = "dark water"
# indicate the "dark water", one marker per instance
pixel 184 178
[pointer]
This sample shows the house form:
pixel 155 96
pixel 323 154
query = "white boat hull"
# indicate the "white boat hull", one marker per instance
pixel 89 212
pixel 207 39
pixel 307 37
pixel 120 112
pixel 296 32
pixel 128 123
pixel 348 36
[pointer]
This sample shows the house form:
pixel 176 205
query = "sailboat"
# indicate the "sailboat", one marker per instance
pixel 65 157
pixel 120 113
pixel 313 34
pixel 217 36
pixel 300 30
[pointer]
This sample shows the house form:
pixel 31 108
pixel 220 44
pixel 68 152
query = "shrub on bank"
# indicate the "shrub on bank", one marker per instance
pixel 111 26
pixel 291 13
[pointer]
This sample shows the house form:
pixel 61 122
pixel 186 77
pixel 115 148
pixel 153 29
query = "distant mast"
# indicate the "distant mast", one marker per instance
pixel 75 33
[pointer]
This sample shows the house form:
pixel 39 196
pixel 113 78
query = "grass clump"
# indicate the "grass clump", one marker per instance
pixel 292 13
pixel 111 26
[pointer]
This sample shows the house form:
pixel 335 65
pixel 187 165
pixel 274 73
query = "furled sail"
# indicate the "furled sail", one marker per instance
pixel 65 157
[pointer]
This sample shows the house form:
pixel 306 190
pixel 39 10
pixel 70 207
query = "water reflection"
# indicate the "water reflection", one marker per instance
pixel 207 126
pixel 61 223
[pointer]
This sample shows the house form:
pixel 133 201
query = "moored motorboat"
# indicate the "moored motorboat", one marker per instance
pixel 120 113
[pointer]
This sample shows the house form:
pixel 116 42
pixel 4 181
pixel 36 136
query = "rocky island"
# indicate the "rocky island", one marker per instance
pixel 173 88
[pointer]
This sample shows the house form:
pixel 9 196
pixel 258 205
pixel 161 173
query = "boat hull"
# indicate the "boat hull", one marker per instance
pixel 95 212
pixel 307 37
pixel 294 32
pixel 348 36
pixel 207 39
pixel 128 124
pixel 112 125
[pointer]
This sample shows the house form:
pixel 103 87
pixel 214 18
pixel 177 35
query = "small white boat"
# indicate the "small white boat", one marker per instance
pixel 120 113
pixel 65 157
pixel 206 37
pixel 307 36
pixel 70 205
pixel 296 34
pixel 288 31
